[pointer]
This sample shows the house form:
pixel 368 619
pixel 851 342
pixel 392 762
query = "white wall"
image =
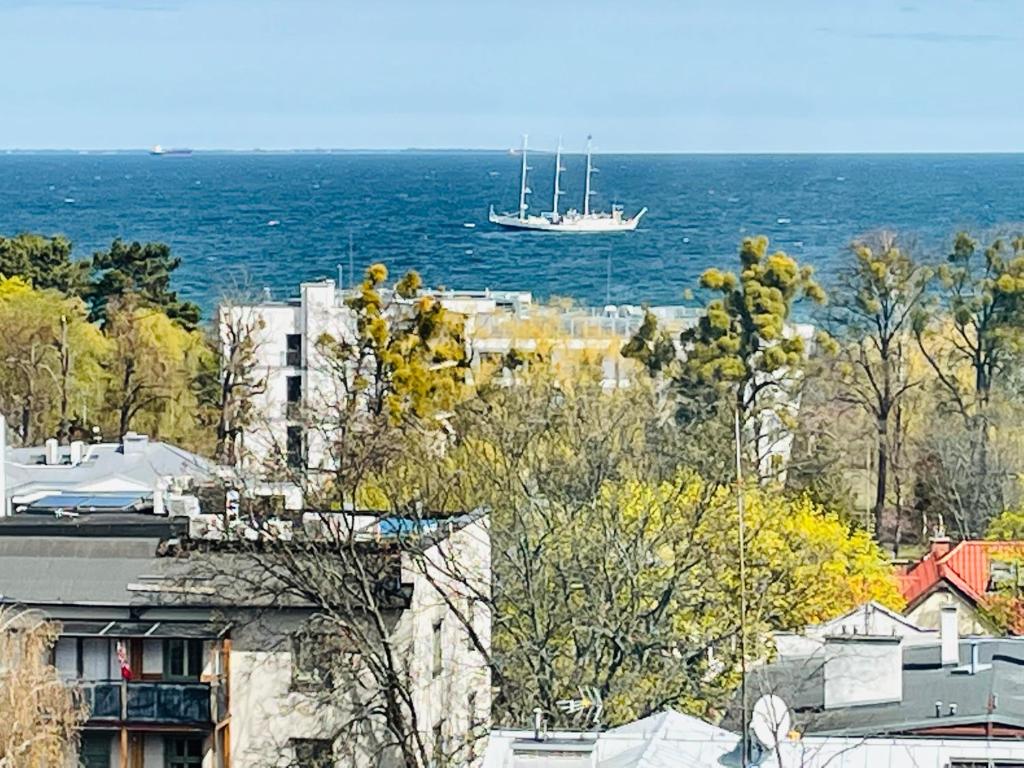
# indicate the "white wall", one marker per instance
pixel 266 712
pixel 831 752
pixel 926 613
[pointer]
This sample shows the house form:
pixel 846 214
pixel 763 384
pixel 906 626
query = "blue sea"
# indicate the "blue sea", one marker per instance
pixel 242 221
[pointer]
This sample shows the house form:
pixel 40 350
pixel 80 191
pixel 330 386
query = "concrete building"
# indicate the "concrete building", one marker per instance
pixel 294 378
pixel 858 701
pixel 182 663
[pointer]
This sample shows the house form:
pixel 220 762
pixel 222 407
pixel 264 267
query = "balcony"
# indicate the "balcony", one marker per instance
pixel 149 702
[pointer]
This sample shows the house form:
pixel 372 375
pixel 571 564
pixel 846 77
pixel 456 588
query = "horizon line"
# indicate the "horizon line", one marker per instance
pixel 505 150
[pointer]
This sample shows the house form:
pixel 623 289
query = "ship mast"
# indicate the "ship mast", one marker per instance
pixel 558 172
pixel 586 186
pixel 523 189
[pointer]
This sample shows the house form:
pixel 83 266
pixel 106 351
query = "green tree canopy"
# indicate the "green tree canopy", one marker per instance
pixel 142 270
pixel 743 353
pixel 43 261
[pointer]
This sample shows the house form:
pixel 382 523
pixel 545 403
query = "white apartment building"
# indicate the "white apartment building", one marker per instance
pixel 294 378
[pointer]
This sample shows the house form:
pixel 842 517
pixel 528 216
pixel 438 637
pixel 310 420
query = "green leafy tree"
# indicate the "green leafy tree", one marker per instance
pixel 614 549
pixel 972 348
pixel 43 261
pixel 142 270
pixel 743 353
pixel 51 379
pixel 877 297
pixel 388 377
pixel 651 347
pixel 152 371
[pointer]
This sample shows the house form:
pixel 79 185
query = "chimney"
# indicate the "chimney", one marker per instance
pixel 75 452
pixel 863 669
pixel 4 508
pixel 949 636
pixel 940 547
pixel 51 452
pixel 134 443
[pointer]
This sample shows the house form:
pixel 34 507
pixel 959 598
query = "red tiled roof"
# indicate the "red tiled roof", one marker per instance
pixel 965 567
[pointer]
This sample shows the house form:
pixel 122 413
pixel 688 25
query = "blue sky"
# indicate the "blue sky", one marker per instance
pixel 657 75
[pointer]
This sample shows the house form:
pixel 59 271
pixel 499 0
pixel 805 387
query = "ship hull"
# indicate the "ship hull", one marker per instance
pixel 593 224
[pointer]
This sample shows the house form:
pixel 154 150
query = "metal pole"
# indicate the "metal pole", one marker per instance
pixel 744 736
pixel 351 267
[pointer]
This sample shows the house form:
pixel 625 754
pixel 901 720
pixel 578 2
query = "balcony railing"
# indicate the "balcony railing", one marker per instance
pixel 149 702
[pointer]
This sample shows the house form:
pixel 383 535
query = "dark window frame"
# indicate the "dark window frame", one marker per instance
pixel 313 753
pixel 188 759
pixel 191 659
pixel 309 652
pixel 437 648
pixel 293 350
pixel 295 446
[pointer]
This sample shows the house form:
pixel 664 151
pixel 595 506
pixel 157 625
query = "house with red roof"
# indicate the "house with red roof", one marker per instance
pixel 963 575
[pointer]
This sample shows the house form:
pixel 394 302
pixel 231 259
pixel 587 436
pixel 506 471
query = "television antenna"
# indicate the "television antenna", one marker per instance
pixel 588 707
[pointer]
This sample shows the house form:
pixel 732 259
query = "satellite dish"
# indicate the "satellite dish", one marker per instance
pixel 770 720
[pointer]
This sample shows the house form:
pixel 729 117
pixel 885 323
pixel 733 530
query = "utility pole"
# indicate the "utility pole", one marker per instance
pixel 744 724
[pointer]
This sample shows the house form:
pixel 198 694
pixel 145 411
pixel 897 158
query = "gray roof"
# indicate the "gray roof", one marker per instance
pixel 136 463
pixel 800 682
pixel 70 570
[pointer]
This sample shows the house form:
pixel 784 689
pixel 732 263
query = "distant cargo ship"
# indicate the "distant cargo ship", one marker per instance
pixel 158 150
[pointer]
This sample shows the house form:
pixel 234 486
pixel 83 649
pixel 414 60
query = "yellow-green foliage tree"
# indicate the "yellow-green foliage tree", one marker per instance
pixel 41 715
pixel 407 356
pixel 635 592
pixel 651 347
pixel 879 293
pixel 742 355
pixel 972 347
pixel 152 371
pixel 384 383
pixel 615 544
pixel 51 379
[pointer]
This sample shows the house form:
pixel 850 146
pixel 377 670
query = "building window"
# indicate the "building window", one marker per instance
pixel 293 397
pixel 294 389
pixel 296 447
pixel 311 661
pixel 437 651
pixel 293 350
pixel 183 752
pixel 94 751
pixel 183 659
pixel 313 753
pixel 471 725
pixel 439 759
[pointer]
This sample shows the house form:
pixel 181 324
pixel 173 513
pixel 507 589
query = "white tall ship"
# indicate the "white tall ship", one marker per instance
pixel 572 220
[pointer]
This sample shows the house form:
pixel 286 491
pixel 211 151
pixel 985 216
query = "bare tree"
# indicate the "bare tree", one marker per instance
pixel 241 378
pixel 41 715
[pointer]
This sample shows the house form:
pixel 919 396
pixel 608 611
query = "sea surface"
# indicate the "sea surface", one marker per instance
pixel 242 221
